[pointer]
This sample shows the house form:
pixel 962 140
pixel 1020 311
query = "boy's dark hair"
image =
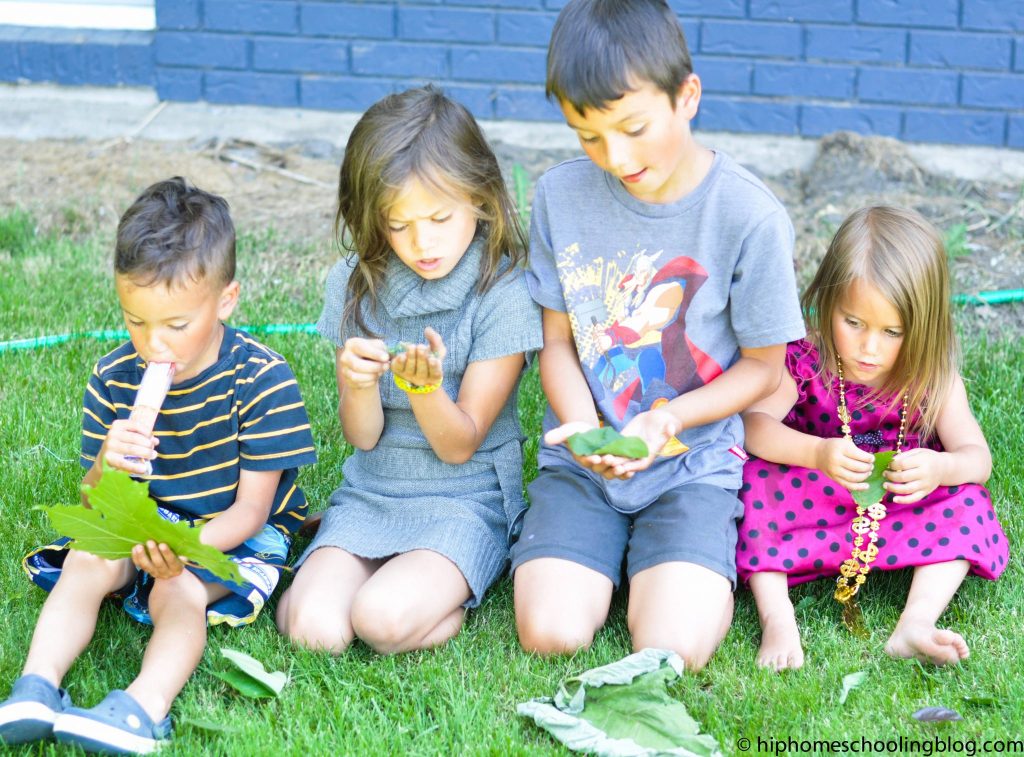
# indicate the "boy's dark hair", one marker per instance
pixel 174 231
pixel 602 49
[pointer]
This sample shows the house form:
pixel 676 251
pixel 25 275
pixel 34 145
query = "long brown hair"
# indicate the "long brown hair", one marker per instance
pixel 902 255
pixel 418 134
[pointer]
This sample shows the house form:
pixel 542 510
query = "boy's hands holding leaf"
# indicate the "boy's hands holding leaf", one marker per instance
pixel 914 474
pixel 844 462
pixel 421 364
pixel 362 362
pixel 609 453
pixel 655 428
pixel 561 434
pixel 157 559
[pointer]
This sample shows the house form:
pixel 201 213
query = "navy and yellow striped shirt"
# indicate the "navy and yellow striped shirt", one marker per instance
pixel 243 412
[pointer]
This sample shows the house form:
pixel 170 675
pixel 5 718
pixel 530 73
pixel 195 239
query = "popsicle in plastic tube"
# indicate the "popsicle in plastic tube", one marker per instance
pixel 152 391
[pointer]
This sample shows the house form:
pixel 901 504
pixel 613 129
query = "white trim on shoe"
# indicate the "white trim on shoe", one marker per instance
pixel 103 734
pixel 34 711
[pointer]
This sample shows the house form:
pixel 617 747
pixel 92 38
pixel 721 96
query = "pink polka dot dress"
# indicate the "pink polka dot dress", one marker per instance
pixel 797 520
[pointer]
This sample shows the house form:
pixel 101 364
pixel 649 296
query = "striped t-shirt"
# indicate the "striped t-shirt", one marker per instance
pixel 244 411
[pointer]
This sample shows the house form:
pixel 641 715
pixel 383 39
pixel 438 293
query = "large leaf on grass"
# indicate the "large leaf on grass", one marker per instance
pixel 623 708
pixel 121 515
pixel 875 490
pixel 605 440
pixel 248 676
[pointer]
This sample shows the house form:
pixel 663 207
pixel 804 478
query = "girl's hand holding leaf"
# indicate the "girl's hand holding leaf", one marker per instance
pixel 914 474
pixel 844 462
pixel 421 364
pixel 362 362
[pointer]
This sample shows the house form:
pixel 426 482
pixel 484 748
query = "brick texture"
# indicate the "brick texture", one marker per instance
pixel 924 70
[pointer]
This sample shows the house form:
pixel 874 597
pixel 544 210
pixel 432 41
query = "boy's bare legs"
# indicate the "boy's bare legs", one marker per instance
pixel 916 634
pixel 680 606
pixel 560 605
pixel 178 609
pixel 780 637
pixel 413 601
pixel 68 619
pixel 316 611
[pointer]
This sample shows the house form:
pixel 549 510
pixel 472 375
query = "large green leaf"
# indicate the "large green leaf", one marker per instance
pixel 253 668
pixel 121 515
pixel 875 490
pixel 644 713
pixel 605 440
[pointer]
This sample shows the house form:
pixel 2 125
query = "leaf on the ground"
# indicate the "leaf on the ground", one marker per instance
pixel 979 701
pixel 201 724
pixel 121 515
pixel 850 682
pixel 875 490
pixel 605 440
pixel 249 677
pixel 623 708
pixel 804 603
pixel 936 714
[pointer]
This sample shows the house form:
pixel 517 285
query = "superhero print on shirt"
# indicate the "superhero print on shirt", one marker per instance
pixel 628 315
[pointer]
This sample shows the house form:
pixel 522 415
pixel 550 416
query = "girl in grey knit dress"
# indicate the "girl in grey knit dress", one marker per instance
pixel 432 324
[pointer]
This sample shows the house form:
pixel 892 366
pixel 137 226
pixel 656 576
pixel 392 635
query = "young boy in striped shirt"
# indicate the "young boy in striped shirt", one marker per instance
pixel 224 452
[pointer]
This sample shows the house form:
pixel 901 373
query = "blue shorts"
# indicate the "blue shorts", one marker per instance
pixel 260 559
pixel 570 519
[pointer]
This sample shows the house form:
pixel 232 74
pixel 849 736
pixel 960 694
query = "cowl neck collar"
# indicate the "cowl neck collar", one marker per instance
pixel 405 293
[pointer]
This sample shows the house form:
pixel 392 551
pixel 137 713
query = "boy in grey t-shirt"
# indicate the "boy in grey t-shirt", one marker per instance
pixel 665 273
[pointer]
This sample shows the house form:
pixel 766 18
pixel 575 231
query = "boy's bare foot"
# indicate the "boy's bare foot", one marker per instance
pixel 922 640
pixel 780 642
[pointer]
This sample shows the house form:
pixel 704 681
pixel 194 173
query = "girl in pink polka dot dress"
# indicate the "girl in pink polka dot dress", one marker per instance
pixel 882 346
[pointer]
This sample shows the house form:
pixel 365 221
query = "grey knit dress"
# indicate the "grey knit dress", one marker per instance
pixel 399 496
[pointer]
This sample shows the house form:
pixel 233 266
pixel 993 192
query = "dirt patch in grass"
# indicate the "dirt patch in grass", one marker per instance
pixel 80 187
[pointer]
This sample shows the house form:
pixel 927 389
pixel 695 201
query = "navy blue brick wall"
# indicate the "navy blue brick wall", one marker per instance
pixel 929 70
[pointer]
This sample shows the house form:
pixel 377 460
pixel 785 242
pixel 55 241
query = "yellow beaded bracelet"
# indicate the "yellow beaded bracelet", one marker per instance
pixel 405 386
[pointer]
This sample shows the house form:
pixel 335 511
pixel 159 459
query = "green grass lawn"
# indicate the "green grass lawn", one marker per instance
pixel 461 698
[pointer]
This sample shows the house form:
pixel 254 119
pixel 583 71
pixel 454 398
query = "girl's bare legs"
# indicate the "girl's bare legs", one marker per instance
pixel 680 606
pixel 68 618
pixel 413 601
pixel 780 637
pixel 316 611
pixel 916 634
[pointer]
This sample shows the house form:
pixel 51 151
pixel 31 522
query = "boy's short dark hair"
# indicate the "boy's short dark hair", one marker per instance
pixel 173 232
pixel 602 49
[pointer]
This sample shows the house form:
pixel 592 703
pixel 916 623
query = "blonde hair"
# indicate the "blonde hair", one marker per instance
pixel 902 255
pixel 418 134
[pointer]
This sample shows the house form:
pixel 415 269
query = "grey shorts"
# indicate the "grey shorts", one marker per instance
pixel 570 519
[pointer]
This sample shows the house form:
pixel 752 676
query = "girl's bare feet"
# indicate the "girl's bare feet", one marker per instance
pixel 924 641
pixel 780 641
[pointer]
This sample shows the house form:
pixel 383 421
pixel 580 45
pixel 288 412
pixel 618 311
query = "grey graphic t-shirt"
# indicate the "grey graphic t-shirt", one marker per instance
pixel 660 299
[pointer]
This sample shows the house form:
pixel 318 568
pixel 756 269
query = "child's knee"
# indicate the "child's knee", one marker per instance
pixel 381 622
pixel 103 575
pixel 183 593
pixel 544 634
pixel 307 626
pixel 694 651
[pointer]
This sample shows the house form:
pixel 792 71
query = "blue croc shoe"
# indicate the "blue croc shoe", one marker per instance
pixel 28 713
pixel 117 725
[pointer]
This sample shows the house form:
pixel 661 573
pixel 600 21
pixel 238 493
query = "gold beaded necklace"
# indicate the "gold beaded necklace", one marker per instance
pixel 854 570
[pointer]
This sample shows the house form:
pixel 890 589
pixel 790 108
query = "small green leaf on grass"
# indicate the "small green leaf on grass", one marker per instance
pixel 936 714
pixel 875 490
pixel 851 682
pixel 804 603
pixel 979 701
pixel 248 676
pixel 605 440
